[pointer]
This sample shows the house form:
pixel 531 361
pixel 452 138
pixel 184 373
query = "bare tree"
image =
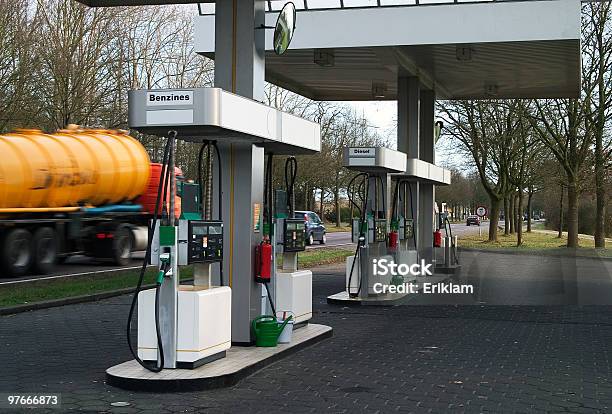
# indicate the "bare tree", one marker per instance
pixel 597 65
pixel 18 36
pixel 485 130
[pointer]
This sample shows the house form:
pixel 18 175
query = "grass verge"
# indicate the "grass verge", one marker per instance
pixel 535 242
pixel 32 292
pixel 331 228
pixel 39 291
pixel 324 256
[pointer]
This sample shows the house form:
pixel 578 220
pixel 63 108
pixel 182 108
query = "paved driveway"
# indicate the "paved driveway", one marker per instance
pixel 436 358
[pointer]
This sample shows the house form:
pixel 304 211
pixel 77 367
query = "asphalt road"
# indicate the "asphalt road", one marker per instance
pixel 334 239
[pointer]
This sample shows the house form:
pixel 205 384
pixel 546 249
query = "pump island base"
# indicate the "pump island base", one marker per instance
pixel 225 372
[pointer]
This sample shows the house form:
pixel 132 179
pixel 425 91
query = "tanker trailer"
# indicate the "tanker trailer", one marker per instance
pixel 75 191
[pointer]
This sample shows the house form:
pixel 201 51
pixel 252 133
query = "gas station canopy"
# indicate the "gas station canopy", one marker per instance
pixel 475 50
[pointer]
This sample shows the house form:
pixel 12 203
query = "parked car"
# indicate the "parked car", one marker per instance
pixel 315 229
pixel 473 220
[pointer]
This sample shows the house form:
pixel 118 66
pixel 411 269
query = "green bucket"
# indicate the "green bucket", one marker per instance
pixel 267 330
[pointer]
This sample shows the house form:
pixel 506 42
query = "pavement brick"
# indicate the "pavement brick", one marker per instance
pixel 433 358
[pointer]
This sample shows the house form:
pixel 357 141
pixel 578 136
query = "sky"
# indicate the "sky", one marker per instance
pixel 383 116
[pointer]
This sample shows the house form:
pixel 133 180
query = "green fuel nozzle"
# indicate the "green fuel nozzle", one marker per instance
pixel 164 259
pixel 160 277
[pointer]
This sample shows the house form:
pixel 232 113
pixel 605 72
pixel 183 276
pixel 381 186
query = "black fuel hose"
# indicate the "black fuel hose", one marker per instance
pixel 201 178
pixel 152 227
pixel 362 219
pixel 220 201
pixel 270 299
pixel 206 147
pixel 290 176
pixel 412 215
pixel 268 191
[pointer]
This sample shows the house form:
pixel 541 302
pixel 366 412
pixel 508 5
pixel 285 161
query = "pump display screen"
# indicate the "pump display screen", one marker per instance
pixel 205 242
pixel 408 229
pixel 380 230
pixel 200 230
pixel 294 235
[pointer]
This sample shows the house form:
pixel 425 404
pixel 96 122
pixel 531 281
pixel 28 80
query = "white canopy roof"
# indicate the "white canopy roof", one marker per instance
pixel 503 49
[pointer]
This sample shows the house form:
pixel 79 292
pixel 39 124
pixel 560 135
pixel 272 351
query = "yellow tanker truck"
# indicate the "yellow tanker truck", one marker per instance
pixel 75 191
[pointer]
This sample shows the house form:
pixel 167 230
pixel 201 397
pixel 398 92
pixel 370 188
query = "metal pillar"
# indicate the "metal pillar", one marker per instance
pixel 240 68
pixel 426 190
pixel 168 300
pixel 408 141
pixel 379 201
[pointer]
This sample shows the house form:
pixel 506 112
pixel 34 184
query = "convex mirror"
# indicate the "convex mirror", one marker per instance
pixel 284 29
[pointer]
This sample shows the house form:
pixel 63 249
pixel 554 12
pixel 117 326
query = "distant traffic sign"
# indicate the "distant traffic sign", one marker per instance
pixel 481 211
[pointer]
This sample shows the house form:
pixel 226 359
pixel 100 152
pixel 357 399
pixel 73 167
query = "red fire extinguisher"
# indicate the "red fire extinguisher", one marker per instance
pixel 393 239
pixel 263 262
pixel 437 238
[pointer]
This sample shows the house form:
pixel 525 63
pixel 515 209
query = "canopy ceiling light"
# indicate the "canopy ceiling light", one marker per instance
pixel 324 57
pixel 379 90
pixel 464 53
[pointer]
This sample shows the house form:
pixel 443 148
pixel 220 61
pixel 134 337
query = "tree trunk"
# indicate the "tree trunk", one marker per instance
pixel 603 50
pixel 600 193
pixel 560 232
pixel 517 212
pixel 511 211
pixel 572 213
pixel 519 224
pixel 321 206
pixel 311 199
pixel 529 197
pixel 494 216
pixel 506 216
pixel 337 206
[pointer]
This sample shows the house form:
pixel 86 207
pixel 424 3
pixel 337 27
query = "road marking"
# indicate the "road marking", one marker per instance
pixel 330 245
pixel 15 282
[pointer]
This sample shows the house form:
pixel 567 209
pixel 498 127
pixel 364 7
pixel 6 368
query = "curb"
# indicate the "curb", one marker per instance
pixel 81 299
pixel 67 301
pixel 531 253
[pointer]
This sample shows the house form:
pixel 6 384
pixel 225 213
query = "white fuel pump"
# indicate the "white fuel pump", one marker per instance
pixel 293 286
pixel 369 193
pixel 182 326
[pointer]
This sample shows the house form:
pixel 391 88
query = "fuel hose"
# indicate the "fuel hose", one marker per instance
pixel 160 190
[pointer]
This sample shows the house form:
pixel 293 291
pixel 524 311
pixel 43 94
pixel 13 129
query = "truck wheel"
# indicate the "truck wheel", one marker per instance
pixel 122 245
pixel 16 253
pixel 44 250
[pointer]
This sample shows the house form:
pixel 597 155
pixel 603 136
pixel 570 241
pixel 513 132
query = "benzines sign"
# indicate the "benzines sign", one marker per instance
pixel 169 98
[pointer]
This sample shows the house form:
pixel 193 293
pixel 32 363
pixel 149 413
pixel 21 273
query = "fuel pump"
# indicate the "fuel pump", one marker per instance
pixel 264 252
pixel 403 217
pixel 450 260
pixel 369 194
pixel 182 326
pixel 291 286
